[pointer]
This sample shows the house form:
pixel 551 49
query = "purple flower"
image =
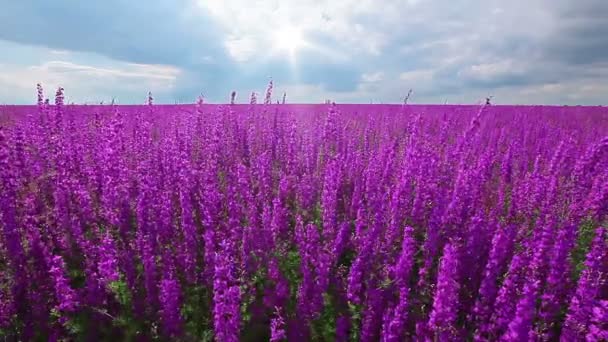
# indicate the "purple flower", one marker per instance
pixel 372 315
pixel 226 297
pixel 342 239
pixel 277 296
pixel 108 262
pixel 398 318
pixel 403 269
pixel 442 320
pixel 7 305
pixel 190 235
pixel 65 295
pixel 598 330
pixel 401 222
pixel 558 280
pixel 169 297
pixel 502 244
pixel 315 265
pixel 342 328
pixel 40 97
pixel 268 98
pixel 506 299
pixel 521 325
pixel 277 327
pixel 579 314
pixel 329 199
pixel 150 270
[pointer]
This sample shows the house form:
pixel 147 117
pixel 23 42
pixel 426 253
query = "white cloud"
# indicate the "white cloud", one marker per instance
pixel 86 82
pixel 361 27
pixel 417 76
pixel 59 52
pixel 491 71
pixel 137 71
pixel 241 49
pixel 373 77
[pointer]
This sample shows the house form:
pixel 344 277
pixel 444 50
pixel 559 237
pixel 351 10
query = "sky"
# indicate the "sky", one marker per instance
pixel 360 51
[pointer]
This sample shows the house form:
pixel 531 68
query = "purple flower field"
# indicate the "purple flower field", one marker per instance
pixel 303 223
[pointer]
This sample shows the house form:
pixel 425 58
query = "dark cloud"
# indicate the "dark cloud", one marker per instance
pixel 155 32
pixel 545 42
pixel 580 35
pixel 579 42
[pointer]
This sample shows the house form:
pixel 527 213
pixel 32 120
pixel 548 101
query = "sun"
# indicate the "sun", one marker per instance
pixel 288 39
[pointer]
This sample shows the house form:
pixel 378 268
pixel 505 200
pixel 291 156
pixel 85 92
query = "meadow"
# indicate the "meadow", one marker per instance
pixel 257 222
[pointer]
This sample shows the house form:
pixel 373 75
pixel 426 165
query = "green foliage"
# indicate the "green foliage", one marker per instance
pixel 347 257
pixel 508 203
pixel 252 291
pixel 16 328
pixel 324 327
pixel 130 327
pixel 195 311
pixel 355 320
pixel 586 233
pixel 207 336
pixel 121 292
pixel 317 215
pixel 290 268
pixel 246 300
pixel 77 325
pixel 386 283
pixel 259 279
pixel 76 275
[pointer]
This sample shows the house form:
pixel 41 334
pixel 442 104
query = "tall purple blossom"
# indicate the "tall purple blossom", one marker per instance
pixel 65 295
pixel 226 297
pixel 502 244
pixel 277 328
pixel 598 330
pixel 558 281
pixel 442 320
pixel 401 272
pixel 108 264
pixel 504 305
pixel 299 222
pixel 268 97
pixel 169 295
pixel 593 277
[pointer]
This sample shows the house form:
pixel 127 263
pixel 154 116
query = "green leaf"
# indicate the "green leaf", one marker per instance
pixel 586 232
pixel 121 292
pixel 324 327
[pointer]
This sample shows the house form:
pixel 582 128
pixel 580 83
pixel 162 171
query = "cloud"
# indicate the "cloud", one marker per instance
pixel 579 34
pixel 348 24
pixel 354 50
pixel 132 71
pixel 490 71
pixel 127 82
pixel 160 32
pixel 373 77
pixel 241 49
pixel 417 76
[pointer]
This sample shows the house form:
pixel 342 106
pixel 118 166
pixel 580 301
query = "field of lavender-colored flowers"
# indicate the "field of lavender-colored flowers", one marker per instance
pixel 303 222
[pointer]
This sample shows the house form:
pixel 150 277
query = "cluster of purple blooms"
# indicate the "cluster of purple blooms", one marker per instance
pixel 295 223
